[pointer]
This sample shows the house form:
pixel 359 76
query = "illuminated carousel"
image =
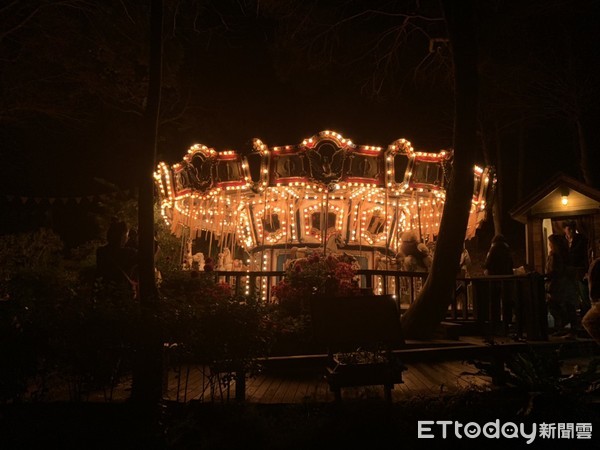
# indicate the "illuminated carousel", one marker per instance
pixel 327 194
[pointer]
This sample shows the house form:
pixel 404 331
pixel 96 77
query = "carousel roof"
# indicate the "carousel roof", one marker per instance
pixel 302 193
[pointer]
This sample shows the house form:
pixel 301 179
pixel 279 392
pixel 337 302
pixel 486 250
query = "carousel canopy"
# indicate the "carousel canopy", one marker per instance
pixel 302 195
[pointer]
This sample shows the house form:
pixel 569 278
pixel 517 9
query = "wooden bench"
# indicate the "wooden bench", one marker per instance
pixel 370 323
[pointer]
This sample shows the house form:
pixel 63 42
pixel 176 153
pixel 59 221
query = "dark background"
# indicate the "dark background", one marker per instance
pixel 73 81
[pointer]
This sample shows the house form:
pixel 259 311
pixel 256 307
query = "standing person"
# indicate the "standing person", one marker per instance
pixel 132 239
pixel 560 289
pixel 591 320
pixel 578 263
pixel 464 267
pixel 208 265
pixel 593 279
pixel 116 263
pixel 499 261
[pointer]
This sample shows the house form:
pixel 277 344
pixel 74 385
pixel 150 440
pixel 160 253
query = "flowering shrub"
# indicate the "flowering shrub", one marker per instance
pixel 221 291
pixel 318 274
pixel 210 324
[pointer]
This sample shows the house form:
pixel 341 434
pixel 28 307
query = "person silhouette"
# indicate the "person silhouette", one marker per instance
pixel 578 263
pixel 115 263
pixel 591 320
pixel 498 261
pixel 132 239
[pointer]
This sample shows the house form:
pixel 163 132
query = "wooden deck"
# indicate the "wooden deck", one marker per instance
pixel 433 371
pixel 419 379
pixel 197 383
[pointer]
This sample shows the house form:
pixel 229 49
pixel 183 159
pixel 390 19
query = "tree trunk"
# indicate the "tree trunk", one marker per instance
pixel 521 159
pixel 430 308
pixel 496 205
pixel 147 370
pixel 498 197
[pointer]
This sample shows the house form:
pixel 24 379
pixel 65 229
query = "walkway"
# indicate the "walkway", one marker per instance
pixel 433 371
pixel 423 379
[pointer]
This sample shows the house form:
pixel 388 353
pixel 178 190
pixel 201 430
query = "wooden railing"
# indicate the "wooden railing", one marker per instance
pixel 491 302
pixel 509 304
pixel 404 285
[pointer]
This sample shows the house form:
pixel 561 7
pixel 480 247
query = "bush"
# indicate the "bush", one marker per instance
pixel 210 324
pixel 55 324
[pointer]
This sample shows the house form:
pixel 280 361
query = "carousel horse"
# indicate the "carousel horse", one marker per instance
pixel 350 259
pixel 334 242
pixel 383 262
pixel 198 260
pixel 296 255
pixel 189 257
pixel 300 252
pixel 224 261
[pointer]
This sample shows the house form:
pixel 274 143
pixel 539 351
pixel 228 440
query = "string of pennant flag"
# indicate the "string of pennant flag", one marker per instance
pixel 39 200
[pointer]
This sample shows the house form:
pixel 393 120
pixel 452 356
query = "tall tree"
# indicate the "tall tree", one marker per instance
pixel 390 43
pixel 147 376
pixel 425 314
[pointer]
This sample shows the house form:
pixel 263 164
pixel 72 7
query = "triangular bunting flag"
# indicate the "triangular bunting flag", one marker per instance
pixel 51 200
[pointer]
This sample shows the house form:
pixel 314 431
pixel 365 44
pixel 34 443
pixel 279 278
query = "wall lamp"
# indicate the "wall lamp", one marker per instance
pixel 564 196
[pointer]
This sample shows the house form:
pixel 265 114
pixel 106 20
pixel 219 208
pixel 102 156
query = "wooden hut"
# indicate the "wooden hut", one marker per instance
pixel 544 211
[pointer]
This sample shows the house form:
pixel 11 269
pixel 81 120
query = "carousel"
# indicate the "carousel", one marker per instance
pixel 258 210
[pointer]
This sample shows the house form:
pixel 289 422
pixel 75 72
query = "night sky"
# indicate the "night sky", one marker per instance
pixel 73 80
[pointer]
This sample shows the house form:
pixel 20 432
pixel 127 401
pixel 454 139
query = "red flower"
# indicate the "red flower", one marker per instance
pixel 316 275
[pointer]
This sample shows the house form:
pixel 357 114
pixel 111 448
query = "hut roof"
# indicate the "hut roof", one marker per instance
pixel 546 200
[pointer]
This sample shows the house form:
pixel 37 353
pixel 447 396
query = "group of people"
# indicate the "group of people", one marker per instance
pixel 572 283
